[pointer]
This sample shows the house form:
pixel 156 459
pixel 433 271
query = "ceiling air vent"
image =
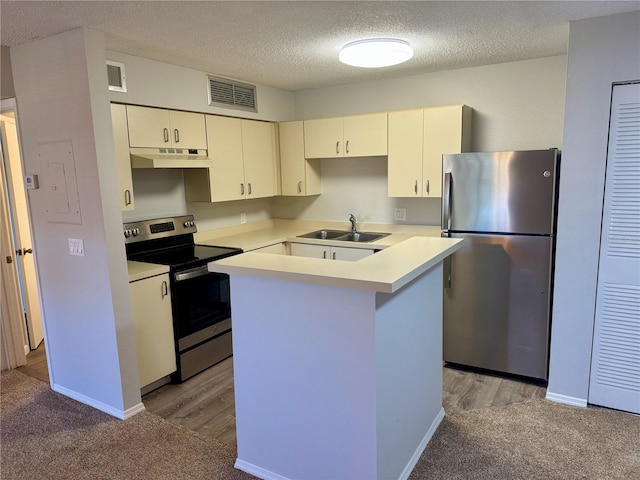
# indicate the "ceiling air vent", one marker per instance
pixel 231 94
pixel 115 76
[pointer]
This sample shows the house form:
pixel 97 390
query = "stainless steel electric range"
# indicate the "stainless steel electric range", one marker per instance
pixel 200 299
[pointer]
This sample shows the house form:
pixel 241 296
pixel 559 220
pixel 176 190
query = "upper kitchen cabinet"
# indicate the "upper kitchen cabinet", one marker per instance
pixel 244 156
pixel 353 136
pixel 160 128
pixel 122 158
pixel 300 177
pixel 417 141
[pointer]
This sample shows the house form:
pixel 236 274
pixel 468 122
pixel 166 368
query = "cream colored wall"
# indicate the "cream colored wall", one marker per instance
pixel 518 105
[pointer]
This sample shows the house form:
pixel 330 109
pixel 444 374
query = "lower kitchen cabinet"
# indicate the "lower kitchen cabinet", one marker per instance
pixel 153 328
pixel 330 253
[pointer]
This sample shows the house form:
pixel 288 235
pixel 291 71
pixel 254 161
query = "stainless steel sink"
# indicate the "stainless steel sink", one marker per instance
pixel 362 237
pixel 325 234
pixel 344 236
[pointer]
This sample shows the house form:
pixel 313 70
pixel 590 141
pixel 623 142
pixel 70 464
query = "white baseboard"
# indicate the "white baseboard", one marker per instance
pixel 27 350
pixel 103 407
pixel 423 444
pixel 567 400
pixel 268 475
pixel 256 471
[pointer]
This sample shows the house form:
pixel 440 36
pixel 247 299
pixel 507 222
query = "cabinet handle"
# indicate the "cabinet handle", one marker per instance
pixel 300 186
pixel 249 188
pixel 176 135
pixel 242 189
pixel 166 135
pixel 415 187
pixel 324 254
pixel 334 255
pixel 427 186
pixel 164 289
pixel 127 197
pixel 346 147
pixel 338 147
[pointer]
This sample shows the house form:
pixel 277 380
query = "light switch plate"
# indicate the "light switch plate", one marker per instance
pixel 400 214
pixel 76 247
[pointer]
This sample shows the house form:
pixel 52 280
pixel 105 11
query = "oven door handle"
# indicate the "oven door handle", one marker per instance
pixel 192 273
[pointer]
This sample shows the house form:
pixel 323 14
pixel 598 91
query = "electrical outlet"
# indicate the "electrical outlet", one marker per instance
pixel 243 218
pixel 76 247
pixel 401 214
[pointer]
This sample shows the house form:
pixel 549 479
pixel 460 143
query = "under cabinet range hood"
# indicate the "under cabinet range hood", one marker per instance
pixel 169 158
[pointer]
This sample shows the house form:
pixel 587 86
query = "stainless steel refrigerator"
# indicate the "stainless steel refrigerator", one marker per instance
pixel 497 287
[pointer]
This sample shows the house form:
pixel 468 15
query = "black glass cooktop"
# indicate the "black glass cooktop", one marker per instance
pixel 184 256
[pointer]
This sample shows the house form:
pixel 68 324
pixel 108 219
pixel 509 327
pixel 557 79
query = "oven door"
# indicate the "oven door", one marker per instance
pixel 201 305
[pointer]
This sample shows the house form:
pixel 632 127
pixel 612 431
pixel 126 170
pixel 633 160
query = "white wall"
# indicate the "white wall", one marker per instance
pixel 160 193
pixel 517 106
pixel 6 75
pixel 61 93
pixel 170 86
pixel 601 51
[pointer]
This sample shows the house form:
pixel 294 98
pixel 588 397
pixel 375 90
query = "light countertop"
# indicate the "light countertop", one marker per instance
pixel 140 270
pixel 261 234
pixel 405 258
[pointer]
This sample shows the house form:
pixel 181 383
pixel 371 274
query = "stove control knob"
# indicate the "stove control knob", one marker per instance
pixel 186 224
pixel 135 232
pixel 192 223
pixel 127 233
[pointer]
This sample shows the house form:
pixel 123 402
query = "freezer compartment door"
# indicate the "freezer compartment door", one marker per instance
pixel 500 192
pixel 497 304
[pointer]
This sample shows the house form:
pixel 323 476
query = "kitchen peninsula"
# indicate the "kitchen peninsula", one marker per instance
pixel 337 364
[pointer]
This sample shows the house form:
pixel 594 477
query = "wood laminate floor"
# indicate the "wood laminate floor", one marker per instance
pixel 205 403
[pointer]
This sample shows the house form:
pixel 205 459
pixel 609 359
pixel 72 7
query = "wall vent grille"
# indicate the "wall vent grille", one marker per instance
pixel 231 94
pixel 115 76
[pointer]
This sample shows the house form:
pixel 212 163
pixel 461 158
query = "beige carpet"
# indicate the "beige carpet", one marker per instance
pixel 46 435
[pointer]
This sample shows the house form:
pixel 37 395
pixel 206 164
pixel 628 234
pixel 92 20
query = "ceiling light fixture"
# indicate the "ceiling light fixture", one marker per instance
pixel 376 52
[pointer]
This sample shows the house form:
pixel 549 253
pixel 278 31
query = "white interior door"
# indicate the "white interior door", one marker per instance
pixel 615 360
pixel 12 340
pixel 22 229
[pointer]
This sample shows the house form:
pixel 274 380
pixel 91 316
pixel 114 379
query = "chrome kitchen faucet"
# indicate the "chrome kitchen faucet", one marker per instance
pixel 352 219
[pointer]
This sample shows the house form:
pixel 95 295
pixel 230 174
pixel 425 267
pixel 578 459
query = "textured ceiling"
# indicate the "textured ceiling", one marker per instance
pixel 294 45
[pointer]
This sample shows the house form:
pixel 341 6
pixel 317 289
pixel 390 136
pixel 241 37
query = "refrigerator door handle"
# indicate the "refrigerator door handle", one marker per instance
pixel 446 202
pixel 446 268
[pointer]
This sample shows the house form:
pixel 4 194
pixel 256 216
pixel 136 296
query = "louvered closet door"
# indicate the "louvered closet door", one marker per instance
pixel 615 361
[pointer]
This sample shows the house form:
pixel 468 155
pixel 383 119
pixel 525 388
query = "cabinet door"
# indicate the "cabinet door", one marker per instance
pixel 148 127
pixel 122 158
pixel 308 250
pixel 153 328
pixel 405 153
pixel 299 176
pixel 226 177
pixel 349 254
pixel 443 133
pixel 188 130
pixel 259 153
pixel 323 138
pixel 365 135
